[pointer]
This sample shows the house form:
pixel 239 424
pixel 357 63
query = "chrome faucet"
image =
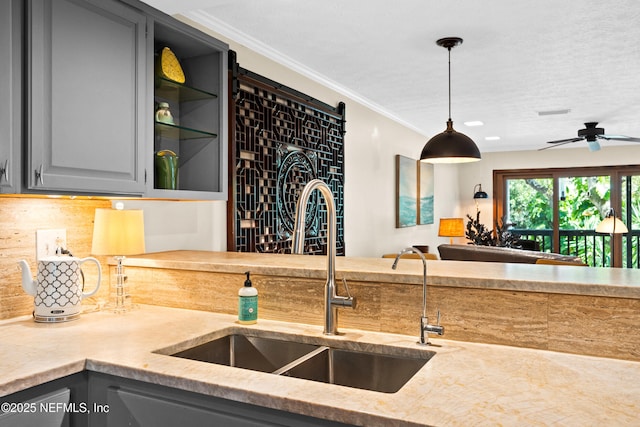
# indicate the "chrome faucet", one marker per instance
pixel 425 327
pixel 332 301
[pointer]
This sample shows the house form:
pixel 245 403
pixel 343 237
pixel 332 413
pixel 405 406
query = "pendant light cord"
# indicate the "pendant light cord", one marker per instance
pixel 449 49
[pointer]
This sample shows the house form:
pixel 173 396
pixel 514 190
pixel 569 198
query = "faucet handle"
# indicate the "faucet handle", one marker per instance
pixel 346 287
pixel 348 301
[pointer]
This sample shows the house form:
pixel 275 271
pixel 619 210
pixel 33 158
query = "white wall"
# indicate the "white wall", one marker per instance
pixel 182 225
pixel 371 142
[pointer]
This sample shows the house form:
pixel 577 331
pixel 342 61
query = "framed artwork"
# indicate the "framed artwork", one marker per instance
pixel 425 193
pixel 406 192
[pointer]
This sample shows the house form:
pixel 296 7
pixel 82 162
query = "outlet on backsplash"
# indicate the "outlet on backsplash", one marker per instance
pixel 48 240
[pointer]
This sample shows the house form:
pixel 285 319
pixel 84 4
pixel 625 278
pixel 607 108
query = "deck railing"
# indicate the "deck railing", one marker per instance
pixel 594 248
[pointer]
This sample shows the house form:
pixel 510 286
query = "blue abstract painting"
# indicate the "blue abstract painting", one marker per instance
pixel 425 193
pixel 406 192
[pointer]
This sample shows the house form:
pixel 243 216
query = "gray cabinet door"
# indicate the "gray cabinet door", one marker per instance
pixel 58 403
pixel 35 413
pixel 86 94
pixel 120 401
pixel 10 94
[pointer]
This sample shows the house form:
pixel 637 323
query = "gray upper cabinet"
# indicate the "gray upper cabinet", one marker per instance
pixel 198 107
pixel 10 95
pixel 87 115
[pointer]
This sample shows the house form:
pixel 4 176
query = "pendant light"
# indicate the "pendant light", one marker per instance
pixel 450 146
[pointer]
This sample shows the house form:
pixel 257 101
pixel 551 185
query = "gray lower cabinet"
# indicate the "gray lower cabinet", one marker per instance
pixel 86 113
pixel 133 403
pixel 92 399
pixel 10 95
pixel 59 403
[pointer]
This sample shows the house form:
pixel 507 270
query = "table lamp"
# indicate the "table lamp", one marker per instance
pixel 612 225
pixel 118 233
pixel 451 227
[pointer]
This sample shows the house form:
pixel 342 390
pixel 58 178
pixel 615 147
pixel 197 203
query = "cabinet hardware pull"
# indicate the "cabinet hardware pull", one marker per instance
pixel 4 171
pixel 39 176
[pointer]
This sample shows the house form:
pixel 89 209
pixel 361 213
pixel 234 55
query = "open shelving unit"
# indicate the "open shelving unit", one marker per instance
pixel 198 107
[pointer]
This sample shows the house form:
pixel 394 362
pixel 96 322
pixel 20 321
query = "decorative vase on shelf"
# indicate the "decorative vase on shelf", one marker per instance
pixel 163 115
pixel 166 170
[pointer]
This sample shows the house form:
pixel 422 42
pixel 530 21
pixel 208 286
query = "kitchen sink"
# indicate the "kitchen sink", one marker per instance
pixel 323 361
pixel 248 352
pixel 368 371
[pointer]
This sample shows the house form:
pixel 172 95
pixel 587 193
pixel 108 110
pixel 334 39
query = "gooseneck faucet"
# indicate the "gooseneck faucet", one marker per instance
pixel 425 327
pixel 332 301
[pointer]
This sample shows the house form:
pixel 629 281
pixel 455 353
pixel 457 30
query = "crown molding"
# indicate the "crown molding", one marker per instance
pixel 205 19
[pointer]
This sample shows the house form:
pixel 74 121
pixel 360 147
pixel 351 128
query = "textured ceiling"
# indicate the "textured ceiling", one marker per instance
pixel 518 58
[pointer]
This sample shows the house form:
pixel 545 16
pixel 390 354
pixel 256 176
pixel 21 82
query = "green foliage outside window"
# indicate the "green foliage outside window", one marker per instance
pixel 583 202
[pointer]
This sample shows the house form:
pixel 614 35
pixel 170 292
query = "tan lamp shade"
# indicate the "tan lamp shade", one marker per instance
pixel 611 225
pixel 118 232
pixel 451 227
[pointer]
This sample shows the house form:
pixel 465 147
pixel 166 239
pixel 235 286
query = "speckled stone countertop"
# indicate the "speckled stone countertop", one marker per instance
pixel 463 384
pixel 575 280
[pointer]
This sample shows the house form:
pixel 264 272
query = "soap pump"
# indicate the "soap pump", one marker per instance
pixel 247 302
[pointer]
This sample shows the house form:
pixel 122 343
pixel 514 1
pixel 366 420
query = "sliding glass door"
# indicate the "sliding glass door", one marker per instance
pixel 630 211
pixel 560 208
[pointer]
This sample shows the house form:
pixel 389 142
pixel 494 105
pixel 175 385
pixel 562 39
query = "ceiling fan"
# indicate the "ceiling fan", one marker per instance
pixel 591 134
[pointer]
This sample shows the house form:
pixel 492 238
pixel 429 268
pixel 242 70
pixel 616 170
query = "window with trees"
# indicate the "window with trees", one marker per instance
pixel 560 209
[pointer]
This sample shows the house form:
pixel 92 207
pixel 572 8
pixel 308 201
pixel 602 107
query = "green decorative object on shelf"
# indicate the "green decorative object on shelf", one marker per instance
pixel 166 170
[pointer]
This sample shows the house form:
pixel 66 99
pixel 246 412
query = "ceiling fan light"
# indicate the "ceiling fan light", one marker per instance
pixel 593 145
pixel 450 147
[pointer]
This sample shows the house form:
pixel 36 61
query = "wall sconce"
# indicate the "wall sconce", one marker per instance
pixel 478 193
pixel 612 225
pixel 451 227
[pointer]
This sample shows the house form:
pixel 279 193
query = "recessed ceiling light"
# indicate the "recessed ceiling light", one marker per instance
pixel 491 138
pixel 554 112
pixel 474 123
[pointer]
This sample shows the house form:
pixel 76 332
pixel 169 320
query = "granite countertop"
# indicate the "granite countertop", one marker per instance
pixel 575 280
pixel 463 384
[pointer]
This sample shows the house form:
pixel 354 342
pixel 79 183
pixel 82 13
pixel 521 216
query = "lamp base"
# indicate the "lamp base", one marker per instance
pixel 119 296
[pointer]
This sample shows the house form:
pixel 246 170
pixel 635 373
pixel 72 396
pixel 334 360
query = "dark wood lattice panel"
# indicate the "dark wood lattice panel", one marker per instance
pixel 282 140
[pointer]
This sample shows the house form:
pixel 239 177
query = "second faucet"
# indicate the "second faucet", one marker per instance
pixel 425 327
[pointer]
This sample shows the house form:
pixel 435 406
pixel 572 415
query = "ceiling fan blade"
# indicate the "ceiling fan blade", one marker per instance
pixel 619 138
pixel 565 141
pixel 559 143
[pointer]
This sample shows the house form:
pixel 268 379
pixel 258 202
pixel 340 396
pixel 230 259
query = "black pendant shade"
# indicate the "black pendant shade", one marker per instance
pixel 450 146
pixel 479 194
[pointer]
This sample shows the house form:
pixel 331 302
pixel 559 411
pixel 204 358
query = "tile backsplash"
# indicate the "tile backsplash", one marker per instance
pixel 20 217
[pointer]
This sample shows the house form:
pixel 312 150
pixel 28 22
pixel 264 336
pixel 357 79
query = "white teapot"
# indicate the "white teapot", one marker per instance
pixel 58 289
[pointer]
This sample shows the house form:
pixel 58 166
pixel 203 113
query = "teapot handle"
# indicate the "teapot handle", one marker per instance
pixel 92 259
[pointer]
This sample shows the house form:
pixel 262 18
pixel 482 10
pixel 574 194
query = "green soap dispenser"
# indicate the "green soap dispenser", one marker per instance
pixel 247 303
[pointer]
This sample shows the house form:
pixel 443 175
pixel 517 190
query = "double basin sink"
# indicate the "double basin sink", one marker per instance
pixel 352 364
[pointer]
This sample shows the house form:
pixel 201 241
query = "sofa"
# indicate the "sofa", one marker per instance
pixel 500 254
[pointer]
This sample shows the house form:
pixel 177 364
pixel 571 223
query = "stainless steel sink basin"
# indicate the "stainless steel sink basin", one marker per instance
pixel 369 371
pixel 248 352
pixel 322 361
